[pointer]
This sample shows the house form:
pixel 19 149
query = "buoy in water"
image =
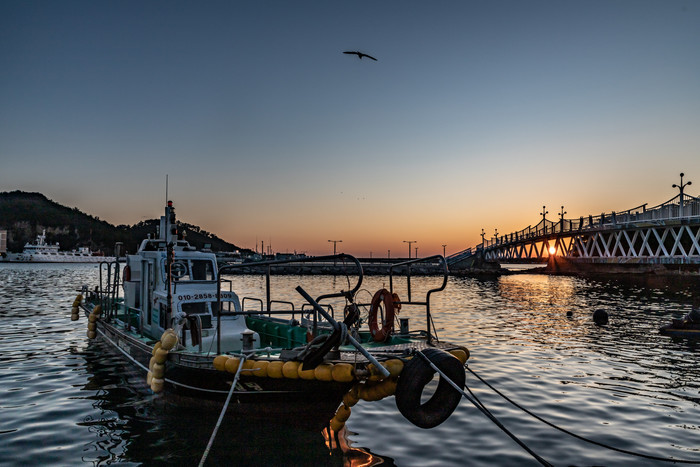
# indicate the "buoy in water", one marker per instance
pixel 600 317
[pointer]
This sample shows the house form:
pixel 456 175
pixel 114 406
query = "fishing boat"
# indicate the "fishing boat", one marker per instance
pixel 43 252
pixel 175 314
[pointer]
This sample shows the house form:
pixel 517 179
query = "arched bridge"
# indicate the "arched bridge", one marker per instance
pixel 665 234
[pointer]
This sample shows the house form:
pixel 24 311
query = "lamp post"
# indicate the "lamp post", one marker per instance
pixel 416 252
pixel 443 249
pixel 681 187
pixel 410 242
pixel 483 235
pixel 544 218
pixel 561 216
pixel 334 244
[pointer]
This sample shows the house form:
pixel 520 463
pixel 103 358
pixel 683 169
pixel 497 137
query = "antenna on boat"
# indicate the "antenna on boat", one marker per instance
pixel 166 188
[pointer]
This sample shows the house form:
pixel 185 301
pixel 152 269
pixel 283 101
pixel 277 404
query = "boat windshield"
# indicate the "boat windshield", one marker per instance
pixel 193 270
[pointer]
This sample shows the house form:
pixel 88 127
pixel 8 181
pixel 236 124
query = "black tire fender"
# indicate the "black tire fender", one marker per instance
pixel 416 375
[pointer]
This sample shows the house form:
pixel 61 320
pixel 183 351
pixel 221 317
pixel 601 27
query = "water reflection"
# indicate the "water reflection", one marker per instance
pixel 133 425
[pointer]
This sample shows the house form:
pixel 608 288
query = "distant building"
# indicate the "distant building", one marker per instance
pixel 3 241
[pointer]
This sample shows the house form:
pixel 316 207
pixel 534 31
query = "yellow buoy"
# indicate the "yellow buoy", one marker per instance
pixel 343 413
pixel 91 334
pixel 231 364
pixel 260 368
pixel 290 369
pixel 149 378
pixel 91 318
pixel 161 355
pixel 324 372
pixel 92 326
pixel 394 366
pixel 74 316
pixel 157 384
pixel 461 354
pixel 151 363
pixel 351 398
pixel 220 362
pixel 97 310
pixel 306 374
pixel 168 340
pixel 343 372
pixel 248 364
pixel 274 369
pixel 336 425
pixel 158 370
pixel 156 346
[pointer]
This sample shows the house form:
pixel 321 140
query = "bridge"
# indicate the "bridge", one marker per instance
pixel 665 234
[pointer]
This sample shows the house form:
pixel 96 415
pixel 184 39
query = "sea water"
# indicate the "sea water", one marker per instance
pixel 67 401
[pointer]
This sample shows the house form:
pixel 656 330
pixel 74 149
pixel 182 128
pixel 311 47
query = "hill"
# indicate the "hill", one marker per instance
pixel 24 216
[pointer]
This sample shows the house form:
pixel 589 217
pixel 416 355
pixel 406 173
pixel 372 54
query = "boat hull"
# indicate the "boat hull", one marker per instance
pixel 190 379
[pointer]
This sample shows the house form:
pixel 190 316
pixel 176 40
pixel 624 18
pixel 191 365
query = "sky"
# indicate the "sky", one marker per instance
pixel 475 115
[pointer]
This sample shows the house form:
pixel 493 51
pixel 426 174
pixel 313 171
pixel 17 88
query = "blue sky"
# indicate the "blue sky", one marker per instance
pixel 474 116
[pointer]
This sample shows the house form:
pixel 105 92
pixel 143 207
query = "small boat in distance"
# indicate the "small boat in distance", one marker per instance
pixel 42 252
pixel 181 321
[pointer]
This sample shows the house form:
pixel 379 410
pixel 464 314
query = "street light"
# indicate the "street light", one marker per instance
pixel 681 187
pixel 561 215
pixel 334 243
pixel 443 249
pixel 409 246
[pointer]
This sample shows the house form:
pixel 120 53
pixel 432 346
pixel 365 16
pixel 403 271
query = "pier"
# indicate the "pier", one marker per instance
pixel 646 238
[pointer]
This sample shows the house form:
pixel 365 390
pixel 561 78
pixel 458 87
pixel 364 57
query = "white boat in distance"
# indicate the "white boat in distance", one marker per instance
pixel 42 252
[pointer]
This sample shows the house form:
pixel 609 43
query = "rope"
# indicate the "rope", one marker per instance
pixel 484 411
pixel 582 438
pixel 223 411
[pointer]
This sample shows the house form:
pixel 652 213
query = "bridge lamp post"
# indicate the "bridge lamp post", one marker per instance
pixel 483 235
pixel 561 215
pixel 443 249
pixel 544 218
pixel 410 242
pixel 681 187
pixel 495 236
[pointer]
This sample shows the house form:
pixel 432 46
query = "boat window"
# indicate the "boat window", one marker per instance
pixel 195 308
pixel 202 270
pixel 192 270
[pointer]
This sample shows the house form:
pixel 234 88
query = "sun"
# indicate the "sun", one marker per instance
pixel 552 250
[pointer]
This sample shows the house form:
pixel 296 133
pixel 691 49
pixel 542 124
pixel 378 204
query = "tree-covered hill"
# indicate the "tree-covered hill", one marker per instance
pixel 25 215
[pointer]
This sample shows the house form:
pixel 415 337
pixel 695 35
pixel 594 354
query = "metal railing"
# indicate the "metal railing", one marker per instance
pixel 674 209
pixel 269 266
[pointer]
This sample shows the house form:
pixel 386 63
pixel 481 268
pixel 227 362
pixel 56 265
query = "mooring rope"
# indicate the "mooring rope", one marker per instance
pixel 582 438
pixel 223 411
pixel 484 411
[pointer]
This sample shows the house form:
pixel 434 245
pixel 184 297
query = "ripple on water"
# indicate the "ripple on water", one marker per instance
pixel 66 402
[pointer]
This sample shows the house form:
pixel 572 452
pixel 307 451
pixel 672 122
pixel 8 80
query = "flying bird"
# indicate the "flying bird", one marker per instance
pixel 360 55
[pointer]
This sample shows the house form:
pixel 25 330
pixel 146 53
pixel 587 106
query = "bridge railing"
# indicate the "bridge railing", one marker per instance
pixel 669 210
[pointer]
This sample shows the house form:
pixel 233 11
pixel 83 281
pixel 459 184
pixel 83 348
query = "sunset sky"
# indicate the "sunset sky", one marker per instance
pixel 475 115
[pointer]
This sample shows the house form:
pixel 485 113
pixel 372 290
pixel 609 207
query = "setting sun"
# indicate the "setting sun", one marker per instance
pixel 552 250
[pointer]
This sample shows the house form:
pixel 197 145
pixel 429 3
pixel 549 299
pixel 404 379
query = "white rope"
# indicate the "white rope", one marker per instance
pixel 223 411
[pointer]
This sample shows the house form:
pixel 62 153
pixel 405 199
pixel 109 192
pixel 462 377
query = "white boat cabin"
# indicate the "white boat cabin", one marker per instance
pixel 193 292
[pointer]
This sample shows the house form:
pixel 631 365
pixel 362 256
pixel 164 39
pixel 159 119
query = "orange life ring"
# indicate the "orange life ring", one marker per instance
pixel 380 335
pixel 126 274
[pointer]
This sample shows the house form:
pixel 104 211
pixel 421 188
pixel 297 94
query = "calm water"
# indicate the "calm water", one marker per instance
pixel 64 401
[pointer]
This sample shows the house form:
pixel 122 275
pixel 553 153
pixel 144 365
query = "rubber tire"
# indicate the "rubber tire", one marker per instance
pixel 416 375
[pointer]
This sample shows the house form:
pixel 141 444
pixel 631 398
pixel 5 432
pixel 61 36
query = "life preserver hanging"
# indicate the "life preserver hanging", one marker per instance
pixel 416 375
pixel 381 335
pixel 126 273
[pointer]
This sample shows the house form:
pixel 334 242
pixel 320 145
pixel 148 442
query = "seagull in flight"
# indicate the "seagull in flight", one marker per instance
pixel 360 55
